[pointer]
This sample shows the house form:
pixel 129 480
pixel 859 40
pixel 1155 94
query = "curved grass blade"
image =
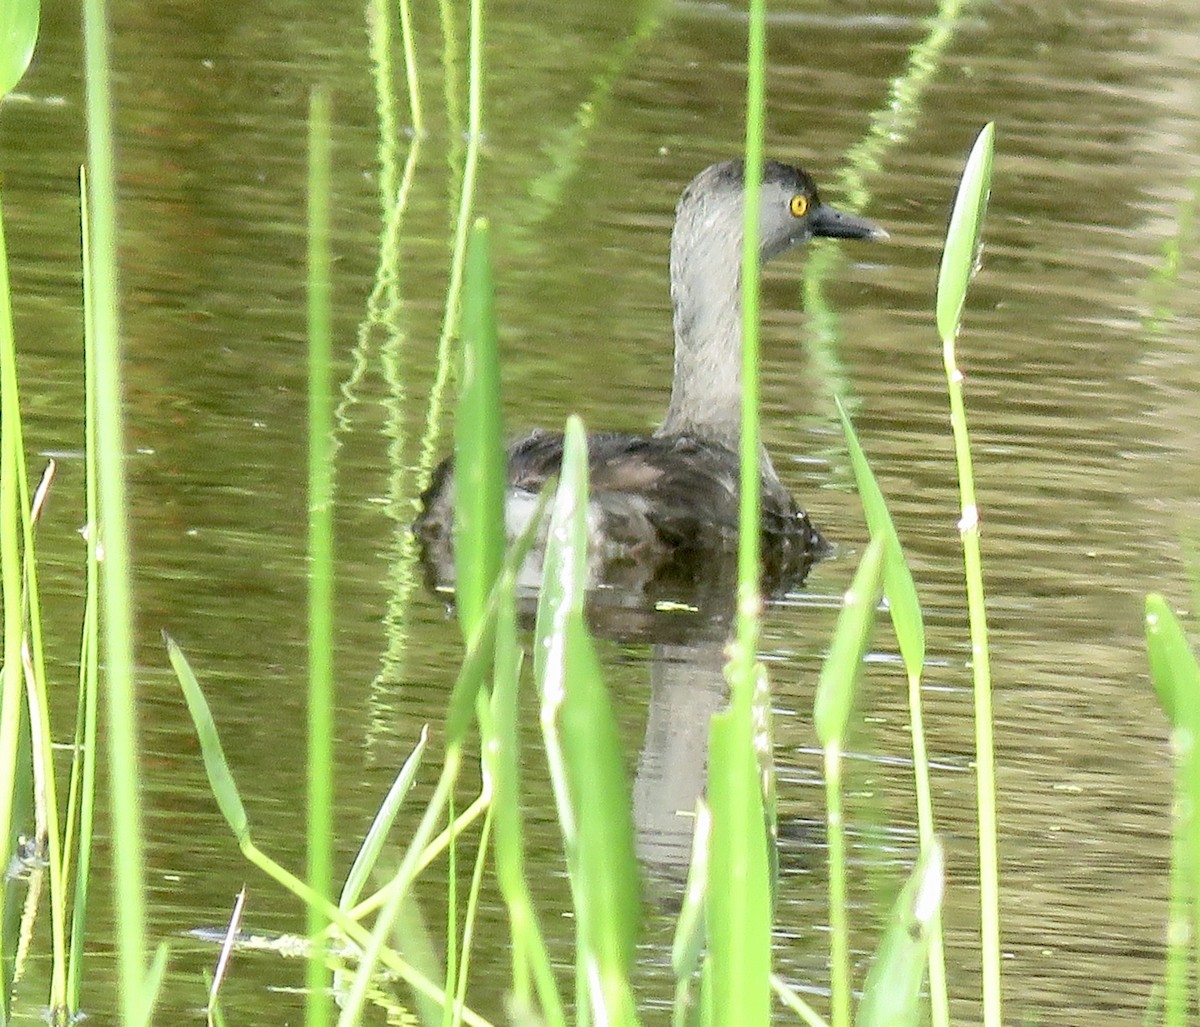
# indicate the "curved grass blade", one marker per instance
pixel 220 778
pixel 226 794
pixel 372 846
pixel 903 602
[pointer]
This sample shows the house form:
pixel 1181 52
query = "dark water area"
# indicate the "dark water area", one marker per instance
pixel 1082 356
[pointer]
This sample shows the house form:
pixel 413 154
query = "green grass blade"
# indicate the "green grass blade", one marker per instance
pixel 499 730
pixel 835 689
pixel 15 766
pixel 480 646
pixel 905 609
pixel 564 567
pixel 903 604
pixel 479 461
pixel 584 753
pixel 738 916
pixel 892 992
pixel 689 926
pixel 1176 677
pixel 38 706
pixel 373 843
pixel 18 35
pixel 959 258
pixel 600 793
pixel 831 715
pixel 220 778
pixel 736 986
pixel 502 751
pixel 152 985
pixel 795 1003
pixel 1173 668
pixel 471 916
pixel 89 658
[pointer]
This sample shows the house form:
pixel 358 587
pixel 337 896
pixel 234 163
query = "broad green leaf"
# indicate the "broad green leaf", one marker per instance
pixel 18 34
pixel 835 689
pixel 961 254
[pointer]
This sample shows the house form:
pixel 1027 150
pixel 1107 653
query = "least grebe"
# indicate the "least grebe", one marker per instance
pixel 672 497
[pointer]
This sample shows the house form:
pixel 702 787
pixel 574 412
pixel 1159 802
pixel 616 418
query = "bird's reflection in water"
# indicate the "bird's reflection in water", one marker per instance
pixel 686 617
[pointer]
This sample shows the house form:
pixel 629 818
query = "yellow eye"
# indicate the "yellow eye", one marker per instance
pixel 799 205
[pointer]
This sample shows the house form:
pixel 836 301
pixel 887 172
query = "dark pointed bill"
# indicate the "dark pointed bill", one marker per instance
pixel 836 224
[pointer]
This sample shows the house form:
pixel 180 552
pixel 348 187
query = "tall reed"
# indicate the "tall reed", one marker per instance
pixel 959 262
pixel 128 861
pixel 738 913
pixel 320 551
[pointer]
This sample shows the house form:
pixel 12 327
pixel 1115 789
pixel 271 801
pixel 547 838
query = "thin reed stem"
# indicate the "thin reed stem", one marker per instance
pixel 749 542
pixel 839 923
pixel 128 861
pixel 985 760
pixel 462 226
pixel 318 1005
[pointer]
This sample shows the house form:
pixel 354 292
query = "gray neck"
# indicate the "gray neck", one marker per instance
pixel 706 392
